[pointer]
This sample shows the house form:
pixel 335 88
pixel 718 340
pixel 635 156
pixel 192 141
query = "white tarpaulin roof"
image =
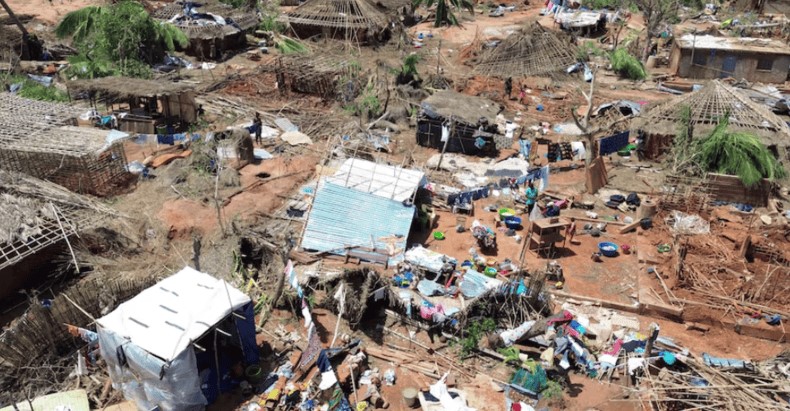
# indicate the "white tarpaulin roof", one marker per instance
pixel 395 183
pixel 165 318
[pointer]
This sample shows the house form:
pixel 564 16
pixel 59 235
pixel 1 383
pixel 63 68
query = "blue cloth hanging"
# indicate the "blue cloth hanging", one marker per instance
pixel 612 144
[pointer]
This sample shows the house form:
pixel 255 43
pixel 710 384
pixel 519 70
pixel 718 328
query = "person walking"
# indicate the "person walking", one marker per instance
pixel 257 124
pixel 532 196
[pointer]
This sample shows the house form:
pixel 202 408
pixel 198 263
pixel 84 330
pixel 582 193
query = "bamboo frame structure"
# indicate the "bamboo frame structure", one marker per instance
pixel 354 21
pixel 37 138
pixel 533 51
pixel 708 107
pixel 36 352
pixel 31 209
pixel 319 75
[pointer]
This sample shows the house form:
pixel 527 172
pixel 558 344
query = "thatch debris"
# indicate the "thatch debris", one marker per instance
pixel 37 213
pixel 532 51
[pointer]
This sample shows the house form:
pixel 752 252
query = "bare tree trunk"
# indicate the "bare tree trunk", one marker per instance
pixel 648 45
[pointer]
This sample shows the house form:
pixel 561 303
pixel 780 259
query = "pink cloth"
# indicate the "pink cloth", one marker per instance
pixel 427 312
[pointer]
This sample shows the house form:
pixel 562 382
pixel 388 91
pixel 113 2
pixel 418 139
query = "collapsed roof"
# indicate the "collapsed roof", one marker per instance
pixel 210 19
pixel 708 106
pixel 347 15
pixel 36 213
pixel 532 51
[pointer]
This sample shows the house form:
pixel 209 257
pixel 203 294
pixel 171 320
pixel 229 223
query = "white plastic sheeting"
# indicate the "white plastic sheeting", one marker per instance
pixel 147 380
pixel 165 318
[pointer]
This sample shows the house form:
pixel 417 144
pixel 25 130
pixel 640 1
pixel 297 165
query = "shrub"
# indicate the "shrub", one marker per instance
pixel 627 65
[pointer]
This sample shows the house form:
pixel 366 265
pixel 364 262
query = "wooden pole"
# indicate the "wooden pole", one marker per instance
pixel 444 148
pixel 66 238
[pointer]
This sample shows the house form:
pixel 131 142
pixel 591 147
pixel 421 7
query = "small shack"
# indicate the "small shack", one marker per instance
pixel 457 123
pixel 532 51
pixel 711 57
pixel 36 217
pixel 172 347
pixel 363 211
pixel 213 28
pixel 659 123
pixel 141 106
pixel 39 139
pixel 356 21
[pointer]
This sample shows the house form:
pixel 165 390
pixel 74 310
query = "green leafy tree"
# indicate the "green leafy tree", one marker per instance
pixel 120 38
pixel 740 154
pixel 444 10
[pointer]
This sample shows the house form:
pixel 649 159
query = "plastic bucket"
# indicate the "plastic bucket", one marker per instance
pixel 608 249
pixel 490 272
pixel 506 212
pixel 410 397
pixel 254 373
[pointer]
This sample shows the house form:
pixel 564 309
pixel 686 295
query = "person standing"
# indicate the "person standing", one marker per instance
pixel 508 87
pixel 257 124
pixel 532 196
pixel 570 231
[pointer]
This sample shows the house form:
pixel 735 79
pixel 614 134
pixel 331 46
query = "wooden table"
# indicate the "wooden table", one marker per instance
pixel 545 233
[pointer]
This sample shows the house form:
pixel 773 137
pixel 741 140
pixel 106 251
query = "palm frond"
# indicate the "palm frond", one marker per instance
pixel 79 24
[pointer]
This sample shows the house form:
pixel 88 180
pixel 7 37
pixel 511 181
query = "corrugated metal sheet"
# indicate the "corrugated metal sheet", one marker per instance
pixel 343 217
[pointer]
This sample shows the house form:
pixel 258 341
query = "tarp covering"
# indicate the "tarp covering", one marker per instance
pixel 147 340
pixel 165 318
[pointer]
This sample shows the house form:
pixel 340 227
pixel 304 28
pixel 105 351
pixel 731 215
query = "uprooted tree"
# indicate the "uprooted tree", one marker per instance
pixel 120 38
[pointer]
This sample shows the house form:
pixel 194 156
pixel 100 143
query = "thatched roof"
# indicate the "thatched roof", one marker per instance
pixel 127 87
pixel 532 51
pixel 338 14
pixel 467 109
pixel 708 106
pixel 35 214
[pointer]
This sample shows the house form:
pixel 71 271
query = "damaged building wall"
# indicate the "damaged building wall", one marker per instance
pixel 711 63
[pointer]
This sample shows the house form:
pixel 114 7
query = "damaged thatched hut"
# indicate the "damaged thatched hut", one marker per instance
pixel 141 106
pixel 708 106
pixel 457 123
pixel 213 28
pixel 37 138
pixel 36 217
pixel 532 51
pixel 315 74
pixel 355 21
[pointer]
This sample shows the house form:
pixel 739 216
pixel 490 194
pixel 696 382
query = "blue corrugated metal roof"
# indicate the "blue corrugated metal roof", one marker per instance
pixel 343 217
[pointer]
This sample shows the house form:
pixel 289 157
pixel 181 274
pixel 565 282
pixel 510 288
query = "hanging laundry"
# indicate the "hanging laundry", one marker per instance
pixel 525 146
pixel 612 144
pixel 579 152
pixel 445 133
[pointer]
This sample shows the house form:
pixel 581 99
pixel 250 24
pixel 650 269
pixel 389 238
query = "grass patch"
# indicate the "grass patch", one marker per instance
pixel 37 91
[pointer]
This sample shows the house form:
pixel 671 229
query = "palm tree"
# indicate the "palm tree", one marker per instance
pixel 444 13
pixel 118 37
pixel 80 24
pixel 739 154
